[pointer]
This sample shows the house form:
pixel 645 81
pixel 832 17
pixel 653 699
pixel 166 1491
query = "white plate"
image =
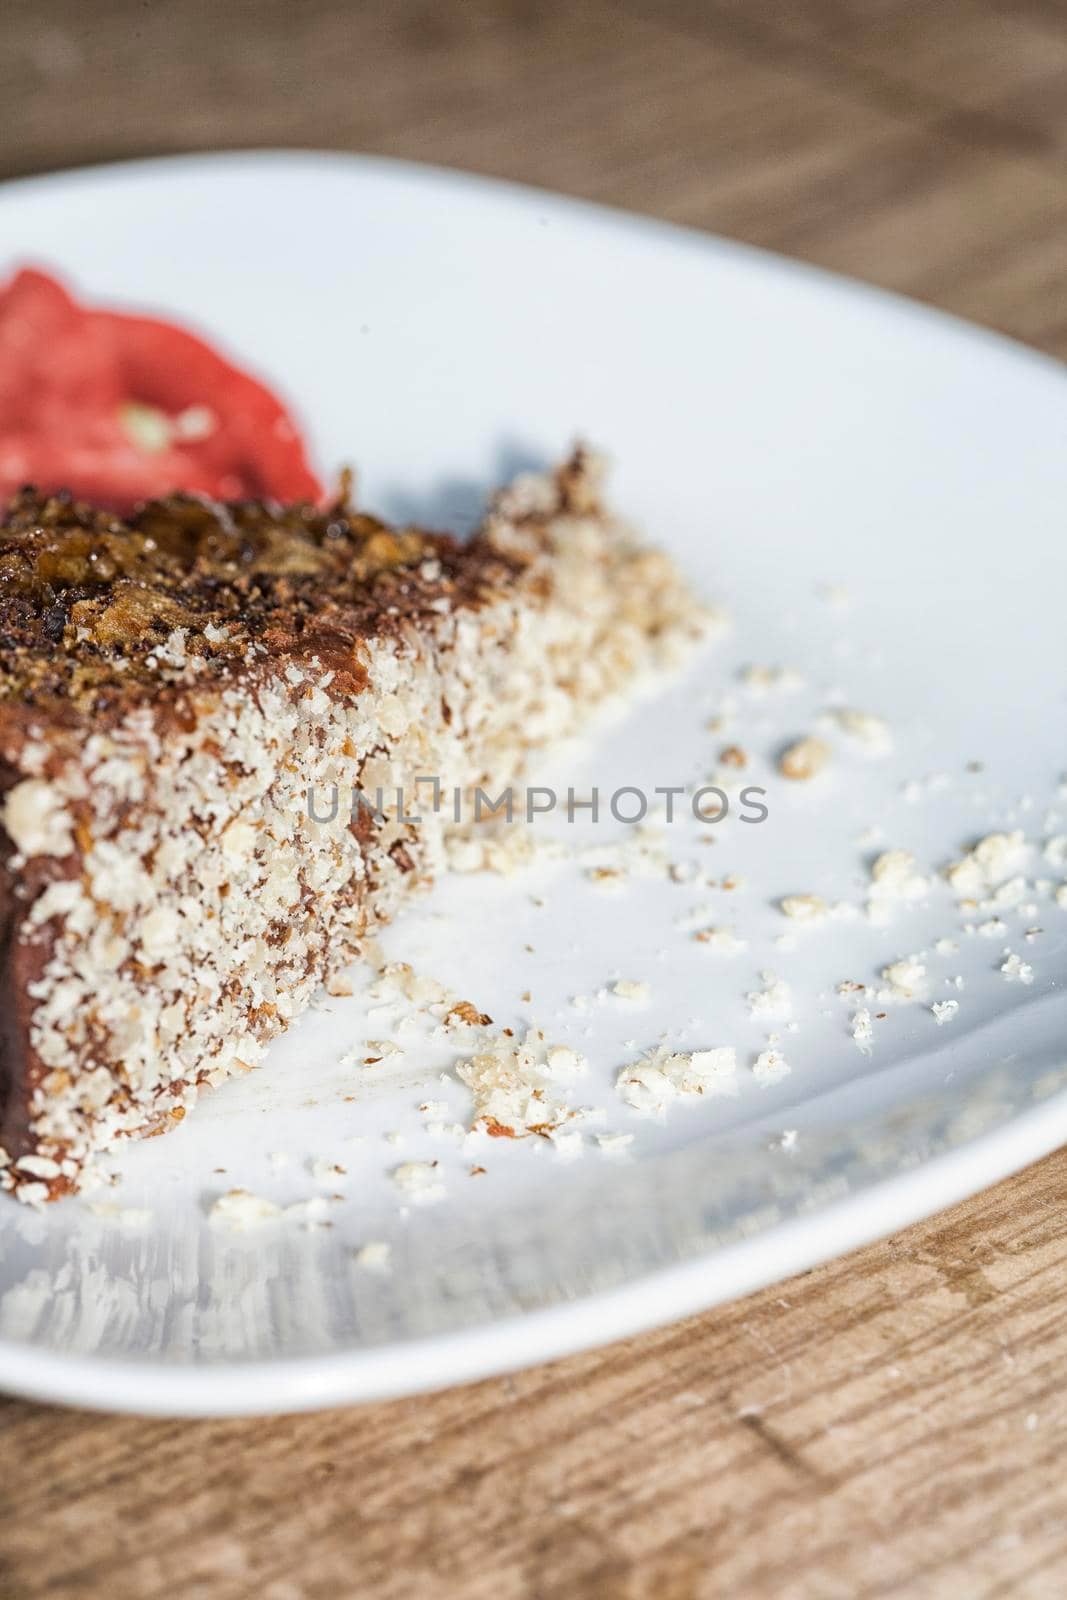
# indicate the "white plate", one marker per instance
pixel 780 431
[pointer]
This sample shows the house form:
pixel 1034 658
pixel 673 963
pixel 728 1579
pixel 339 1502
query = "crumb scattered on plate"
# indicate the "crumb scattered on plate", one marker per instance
pixel 945 1010
pixel 374 1256
pixel 650 1084
pixel 420 1181
pixel 805 759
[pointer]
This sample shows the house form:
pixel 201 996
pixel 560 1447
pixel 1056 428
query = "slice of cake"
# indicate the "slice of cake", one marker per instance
pixel 179 696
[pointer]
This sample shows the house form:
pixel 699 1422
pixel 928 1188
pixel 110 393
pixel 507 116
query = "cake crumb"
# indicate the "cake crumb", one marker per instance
pixel 986 864
pixel 239 1210
pixel 631 989
pixel 1016 970
pixel 865 728
pixel 650 1084
pixel 1055 850
pixel 378 1050
pixel 521 1087
pixel 905 976
pixel 566 1141
pixel 770 1067
pixel 374 1256
pixel 420 1181
pixel 773 1000
pixel 804 907
pixel 761 680
pixel 311 1212
pixel 36 819
pixel 805 759
pixel 464 1014
pixel 609 880
pixel 723 940
pixel 894 876
pixel 863 1030
pixel 561 1061
pixel 612 1143
pixel 43 1167
pixel 945 1010
pixel 1010 892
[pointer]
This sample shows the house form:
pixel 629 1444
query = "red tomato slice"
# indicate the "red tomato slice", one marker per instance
pixel 51 357
pixel 177 373
pixel 119 409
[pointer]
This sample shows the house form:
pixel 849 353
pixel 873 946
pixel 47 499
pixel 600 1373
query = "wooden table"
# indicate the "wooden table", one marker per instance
pixel 891 1424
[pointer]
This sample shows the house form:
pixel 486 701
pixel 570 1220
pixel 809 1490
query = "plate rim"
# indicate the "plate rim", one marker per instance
pixel 401 169
pixel 287 1385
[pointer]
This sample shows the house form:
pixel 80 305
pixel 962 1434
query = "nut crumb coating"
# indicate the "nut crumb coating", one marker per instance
pixel 171 689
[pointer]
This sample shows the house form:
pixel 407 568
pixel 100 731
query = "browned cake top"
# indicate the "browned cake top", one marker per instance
pixel 88 602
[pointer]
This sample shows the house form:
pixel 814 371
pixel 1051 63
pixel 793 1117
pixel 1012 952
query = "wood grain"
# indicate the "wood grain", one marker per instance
pixel 892 1424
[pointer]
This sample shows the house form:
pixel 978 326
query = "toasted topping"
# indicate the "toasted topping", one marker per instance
pixel 91 604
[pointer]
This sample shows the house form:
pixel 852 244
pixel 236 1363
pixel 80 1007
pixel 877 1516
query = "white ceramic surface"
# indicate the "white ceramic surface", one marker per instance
pixel 781 431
